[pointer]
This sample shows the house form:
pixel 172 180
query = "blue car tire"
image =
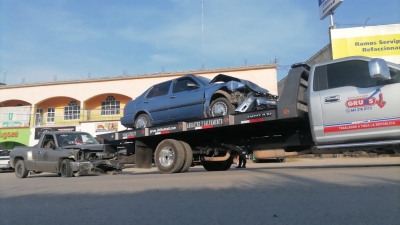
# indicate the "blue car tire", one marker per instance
pixel 142 121
pixel 221 107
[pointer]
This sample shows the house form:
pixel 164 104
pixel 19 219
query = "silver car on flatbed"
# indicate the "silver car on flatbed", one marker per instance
pixel 65 153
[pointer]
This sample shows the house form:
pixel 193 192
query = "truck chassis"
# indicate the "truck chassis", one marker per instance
pixel 213 142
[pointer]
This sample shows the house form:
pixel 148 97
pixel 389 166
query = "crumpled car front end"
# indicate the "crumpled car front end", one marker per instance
pixel 96 167
pixel 95 159
pixel 246 95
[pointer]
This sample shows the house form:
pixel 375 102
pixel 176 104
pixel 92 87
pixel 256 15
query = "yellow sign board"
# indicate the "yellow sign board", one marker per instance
pixel 377 41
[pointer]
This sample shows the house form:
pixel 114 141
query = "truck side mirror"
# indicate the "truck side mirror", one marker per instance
pixel 378 66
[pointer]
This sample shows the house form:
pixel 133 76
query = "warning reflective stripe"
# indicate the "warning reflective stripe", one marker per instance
pixel 131 136
pixel 162 132
pixel 204 127
pixel 253 120
pixel 257 120
pixel 386 122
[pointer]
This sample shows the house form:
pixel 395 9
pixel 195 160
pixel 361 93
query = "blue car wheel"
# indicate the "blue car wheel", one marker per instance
pixel 221 107
pixel 142 121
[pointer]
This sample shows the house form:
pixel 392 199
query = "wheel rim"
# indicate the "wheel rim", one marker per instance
pixel 19 169
pixel 219 109
pixel 141 122
pixel 166 157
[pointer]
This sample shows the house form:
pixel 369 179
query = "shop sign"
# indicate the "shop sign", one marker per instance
pixel 15 135
pixel 9 134
pixel 381 41
pixel 40 130
pixel 106 126
pixel 327 7
pixel 14 116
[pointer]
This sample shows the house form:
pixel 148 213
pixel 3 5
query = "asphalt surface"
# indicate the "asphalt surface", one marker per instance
pixel 304 191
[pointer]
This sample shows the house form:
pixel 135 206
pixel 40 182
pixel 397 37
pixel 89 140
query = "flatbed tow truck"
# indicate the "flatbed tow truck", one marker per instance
pixel 332 107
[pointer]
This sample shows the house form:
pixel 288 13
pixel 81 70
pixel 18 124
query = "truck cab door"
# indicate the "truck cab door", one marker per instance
pixel 43 155
pixel 353 105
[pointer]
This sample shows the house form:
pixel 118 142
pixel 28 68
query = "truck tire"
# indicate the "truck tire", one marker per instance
pixel 169 156
pixel 20 169
pixel 282 160
pixel 65 168
pixel 142 121
pixel 221 107
pixel 218 166
pixel 188 157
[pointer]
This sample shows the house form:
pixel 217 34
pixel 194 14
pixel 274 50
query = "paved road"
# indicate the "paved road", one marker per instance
pixel 306 191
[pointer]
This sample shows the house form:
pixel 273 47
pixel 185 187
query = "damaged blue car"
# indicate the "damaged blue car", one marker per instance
pixel 194 97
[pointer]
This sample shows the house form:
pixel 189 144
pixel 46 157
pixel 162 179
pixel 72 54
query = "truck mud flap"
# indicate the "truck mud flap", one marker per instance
pixel 127 159
pixel 143 155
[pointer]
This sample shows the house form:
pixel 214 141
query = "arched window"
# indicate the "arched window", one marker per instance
pixel 110 106
pixel 72 111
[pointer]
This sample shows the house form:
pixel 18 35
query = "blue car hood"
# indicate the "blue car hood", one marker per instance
pixel 234 83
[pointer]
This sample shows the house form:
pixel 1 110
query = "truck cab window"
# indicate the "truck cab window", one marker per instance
pixel 348 73
pixel 47 141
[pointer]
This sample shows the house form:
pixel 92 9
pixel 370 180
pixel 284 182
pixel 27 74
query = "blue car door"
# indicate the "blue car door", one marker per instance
pixel 156 102
pixel 186 99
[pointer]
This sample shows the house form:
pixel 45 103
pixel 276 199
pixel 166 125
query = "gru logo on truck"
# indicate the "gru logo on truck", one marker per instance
pixel 365 103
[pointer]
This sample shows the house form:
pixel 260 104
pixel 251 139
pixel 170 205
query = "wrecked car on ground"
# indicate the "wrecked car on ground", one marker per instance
pixel 65 153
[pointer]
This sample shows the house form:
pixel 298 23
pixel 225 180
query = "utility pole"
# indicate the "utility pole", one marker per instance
pixel 202 35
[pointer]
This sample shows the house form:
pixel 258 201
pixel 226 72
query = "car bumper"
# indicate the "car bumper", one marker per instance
pixel 127 121
pixel 5 166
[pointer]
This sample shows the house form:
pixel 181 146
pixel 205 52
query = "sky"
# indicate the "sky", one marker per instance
pixel 44 40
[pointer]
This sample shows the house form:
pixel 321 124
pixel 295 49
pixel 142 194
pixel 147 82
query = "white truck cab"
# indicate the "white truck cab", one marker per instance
pixel 354 99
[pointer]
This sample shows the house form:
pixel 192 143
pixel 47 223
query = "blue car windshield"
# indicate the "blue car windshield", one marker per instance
pixel 204 80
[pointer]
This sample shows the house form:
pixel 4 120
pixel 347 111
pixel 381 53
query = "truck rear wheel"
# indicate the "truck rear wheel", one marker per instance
pixel 65 168
pixel 169 156
pixel 188 157
pixel 20 169
pixel 218 166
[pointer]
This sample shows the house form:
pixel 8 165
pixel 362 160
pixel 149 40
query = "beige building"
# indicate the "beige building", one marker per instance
pixel 91 105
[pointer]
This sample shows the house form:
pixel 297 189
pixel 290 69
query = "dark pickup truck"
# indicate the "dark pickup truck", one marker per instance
pixel 65 153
